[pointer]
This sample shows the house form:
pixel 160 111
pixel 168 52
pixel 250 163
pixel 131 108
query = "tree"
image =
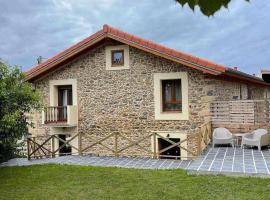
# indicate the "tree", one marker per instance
pixel 207 7
pixel 16 99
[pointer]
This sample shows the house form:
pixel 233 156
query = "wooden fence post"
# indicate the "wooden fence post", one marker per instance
pixel 53 145
pixel 155 145
pixel 28 149
pixel 116 144
pixel 211 131
pixel 80 143
pixel 199 147
pixel 34 139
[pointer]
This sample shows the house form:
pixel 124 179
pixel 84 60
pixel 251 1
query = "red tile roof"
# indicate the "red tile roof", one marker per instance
pixel 129 39
pixel 146 45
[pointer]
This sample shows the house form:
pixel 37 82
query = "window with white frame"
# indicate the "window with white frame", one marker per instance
pixel 171 96
pixel 117 57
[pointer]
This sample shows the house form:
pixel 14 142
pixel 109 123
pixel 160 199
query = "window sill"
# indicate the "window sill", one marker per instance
pixel 117 68
pixel 168 112
pixel 172 115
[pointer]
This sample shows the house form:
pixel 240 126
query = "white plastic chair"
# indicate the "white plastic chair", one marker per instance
pixel 222 136
pixel 256 138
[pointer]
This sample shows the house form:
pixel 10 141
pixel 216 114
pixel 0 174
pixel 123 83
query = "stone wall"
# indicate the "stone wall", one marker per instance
pixel 123 100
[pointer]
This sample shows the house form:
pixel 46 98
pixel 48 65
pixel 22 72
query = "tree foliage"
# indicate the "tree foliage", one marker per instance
pixel 16 99
pixel 207 7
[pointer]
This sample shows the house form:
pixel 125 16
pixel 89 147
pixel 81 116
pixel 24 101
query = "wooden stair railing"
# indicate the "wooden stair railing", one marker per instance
pixel 204 137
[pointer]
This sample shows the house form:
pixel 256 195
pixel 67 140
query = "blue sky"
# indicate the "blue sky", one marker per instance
pixel 238 36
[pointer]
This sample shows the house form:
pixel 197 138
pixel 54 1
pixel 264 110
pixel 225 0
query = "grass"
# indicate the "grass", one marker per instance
pixel 78 182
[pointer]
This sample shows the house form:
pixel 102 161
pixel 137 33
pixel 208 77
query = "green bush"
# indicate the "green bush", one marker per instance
pixel 16 99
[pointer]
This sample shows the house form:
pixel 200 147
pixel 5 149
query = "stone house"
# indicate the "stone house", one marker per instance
pixel 113 81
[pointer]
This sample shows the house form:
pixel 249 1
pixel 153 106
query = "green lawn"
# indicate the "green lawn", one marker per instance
pixel 77 182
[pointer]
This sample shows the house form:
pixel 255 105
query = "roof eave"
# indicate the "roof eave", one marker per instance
pixel 244 76
pixel 47 65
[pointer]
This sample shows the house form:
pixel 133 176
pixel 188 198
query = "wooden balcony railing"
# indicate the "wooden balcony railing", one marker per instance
pixel 60 116
pixel 55 114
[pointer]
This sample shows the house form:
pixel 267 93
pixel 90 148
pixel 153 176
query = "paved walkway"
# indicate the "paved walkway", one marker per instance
pixel 232 161
pixel 217 161
pixel 125 162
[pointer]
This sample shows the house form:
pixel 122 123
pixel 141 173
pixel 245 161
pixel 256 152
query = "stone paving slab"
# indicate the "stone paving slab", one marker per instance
pixel 214 161
pixel 125 162
pixel 232 161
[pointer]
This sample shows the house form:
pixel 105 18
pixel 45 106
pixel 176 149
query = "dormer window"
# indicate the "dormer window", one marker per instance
pixel 117 58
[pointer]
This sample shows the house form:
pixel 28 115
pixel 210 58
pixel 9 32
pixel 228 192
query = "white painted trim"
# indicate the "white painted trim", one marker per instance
pixel 233 159
pixel 109 49
pixel 265 163
pixel 54 94
pixel 203 160
pixel 223 160
pixel 159 114
pixel 254 163
pixel 72 114
pixel 244 167
pixel 172 134
pixel 71 131
pixel 213 160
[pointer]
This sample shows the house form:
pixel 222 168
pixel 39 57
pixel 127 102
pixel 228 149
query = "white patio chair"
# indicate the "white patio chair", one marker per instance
pixel 222 136
pixel 257 138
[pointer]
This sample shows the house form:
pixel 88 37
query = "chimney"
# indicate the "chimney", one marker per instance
pixel 235 68
pixel 266 75
pixel 40 59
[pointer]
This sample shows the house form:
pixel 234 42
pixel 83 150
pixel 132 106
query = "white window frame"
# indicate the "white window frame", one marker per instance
pixel 172 134
pixel 108 52
pixel 159 114
pixel 54 90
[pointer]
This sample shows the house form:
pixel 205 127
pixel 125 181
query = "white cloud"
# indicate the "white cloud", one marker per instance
pixel 62 5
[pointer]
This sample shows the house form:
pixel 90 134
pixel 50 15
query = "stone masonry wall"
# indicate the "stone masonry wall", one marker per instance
pixel 123 100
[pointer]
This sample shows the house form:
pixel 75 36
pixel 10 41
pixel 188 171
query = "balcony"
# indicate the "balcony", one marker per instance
pixel 60 116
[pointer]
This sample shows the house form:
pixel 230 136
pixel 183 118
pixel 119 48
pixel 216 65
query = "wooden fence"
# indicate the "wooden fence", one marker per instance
pixel 204 137
pixel 38 147
pixel 240 111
